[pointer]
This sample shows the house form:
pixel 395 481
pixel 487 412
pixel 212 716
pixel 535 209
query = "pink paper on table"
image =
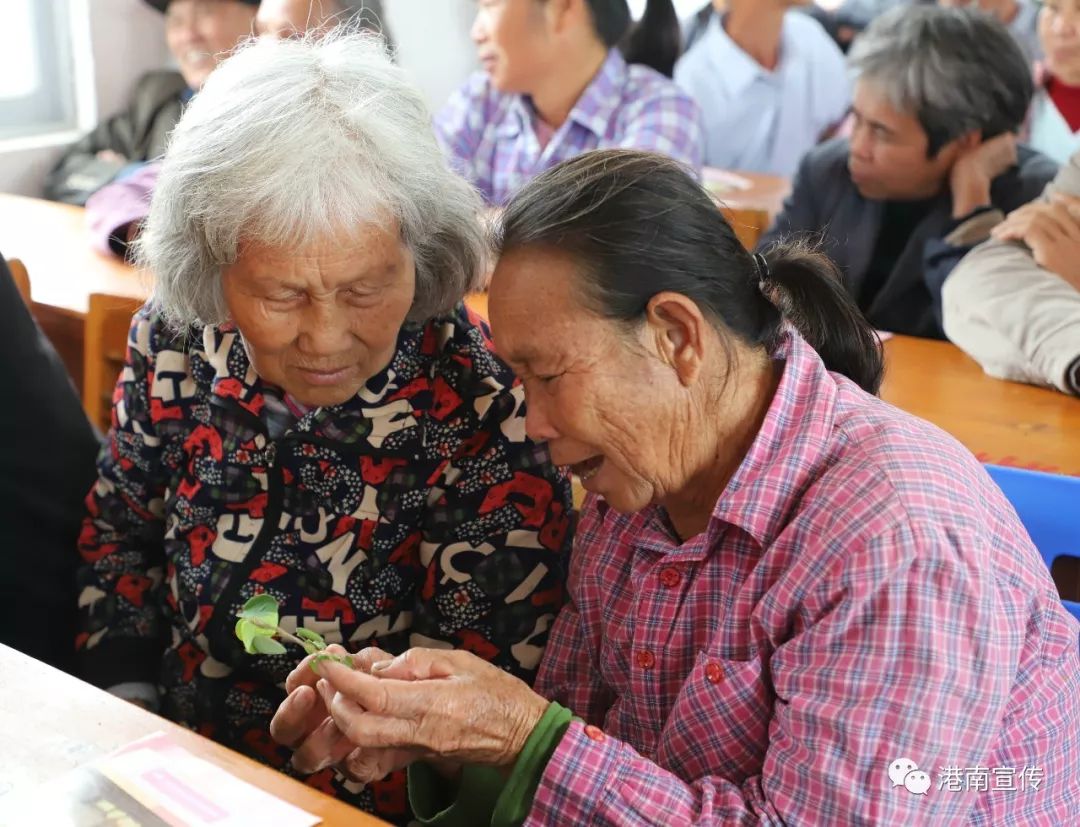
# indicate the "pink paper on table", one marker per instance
pixel 152 782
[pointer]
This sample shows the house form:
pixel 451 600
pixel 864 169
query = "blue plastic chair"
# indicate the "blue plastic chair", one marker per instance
pixel 1049 507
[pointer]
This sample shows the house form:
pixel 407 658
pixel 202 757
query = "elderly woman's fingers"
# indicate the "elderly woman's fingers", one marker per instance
pixel 480 715
pixel 366 658
pixel 419 665
pixel 324 747
pixel 302 675
pixel 291 723
pixel 367 765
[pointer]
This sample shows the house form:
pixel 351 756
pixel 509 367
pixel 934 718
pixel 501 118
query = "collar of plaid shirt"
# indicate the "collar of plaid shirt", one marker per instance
pixel 593 110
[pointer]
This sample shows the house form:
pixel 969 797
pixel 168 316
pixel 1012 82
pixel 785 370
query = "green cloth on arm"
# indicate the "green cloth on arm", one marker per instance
pixel 484 795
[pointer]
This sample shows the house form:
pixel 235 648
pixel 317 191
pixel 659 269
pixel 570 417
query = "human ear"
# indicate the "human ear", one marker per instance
pixel 678 330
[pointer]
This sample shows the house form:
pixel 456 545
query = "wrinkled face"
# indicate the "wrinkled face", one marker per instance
pixel 1059 33
pixel 888 151
pixel 319 321
pixel 512 42
pixel 594 393
pixel 282 19
pixel 201 33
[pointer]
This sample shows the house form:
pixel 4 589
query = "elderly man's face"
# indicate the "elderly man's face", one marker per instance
pixel 281 19
pixel 888 159
pixel 599 401
pixel 319 321
pixel 201 33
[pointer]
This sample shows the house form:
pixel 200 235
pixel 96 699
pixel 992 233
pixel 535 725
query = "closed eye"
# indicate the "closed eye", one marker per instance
pixel 290 297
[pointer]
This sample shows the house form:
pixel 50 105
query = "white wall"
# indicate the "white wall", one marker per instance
pixel 126 38
pixel 433 43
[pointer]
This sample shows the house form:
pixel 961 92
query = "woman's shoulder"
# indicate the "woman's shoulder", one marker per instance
pixel 646 85
pixel 463 356
pixel 477 95
pixel 152 333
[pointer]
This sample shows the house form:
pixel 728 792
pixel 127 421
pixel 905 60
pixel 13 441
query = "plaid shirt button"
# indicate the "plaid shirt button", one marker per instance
pixel 594 733
pixel 670 577
pixel 646 659
pixel 714 672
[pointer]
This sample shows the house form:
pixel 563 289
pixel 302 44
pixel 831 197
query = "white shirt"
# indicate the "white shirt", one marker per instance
pixel 1050 132
pixel 762 121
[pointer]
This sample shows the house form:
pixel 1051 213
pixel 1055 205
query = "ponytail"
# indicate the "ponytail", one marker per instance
pixel 639 224
pixel 654 41
pixel 808 290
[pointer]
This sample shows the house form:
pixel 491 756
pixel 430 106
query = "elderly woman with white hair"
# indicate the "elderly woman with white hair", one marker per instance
pixel 307 410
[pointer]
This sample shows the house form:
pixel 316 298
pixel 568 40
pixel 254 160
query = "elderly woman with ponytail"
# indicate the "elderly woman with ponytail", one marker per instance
pixel 787 598
pixel 555 84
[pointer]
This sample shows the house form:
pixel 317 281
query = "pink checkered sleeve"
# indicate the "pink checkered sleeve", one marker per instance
pixel 903 647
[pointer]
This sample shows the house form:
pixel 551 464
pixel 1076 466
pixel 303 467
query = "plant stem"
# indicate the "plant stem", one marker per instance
pixel 282 633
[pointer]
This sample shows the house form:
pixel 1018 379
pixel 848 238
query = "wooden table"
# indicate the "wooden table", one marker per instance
pixel 52 723
pixel 52 241
pixel 1005 423
pixel 766 192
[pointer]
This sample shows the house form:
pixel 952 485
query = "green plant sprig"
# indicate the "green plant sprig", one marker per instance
pixel 257 627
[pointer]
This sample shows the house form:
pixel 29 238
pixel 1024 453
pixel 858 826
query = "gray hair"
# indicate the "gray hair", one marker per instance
pixel 955 69
pixel 292 141
pixel 367 14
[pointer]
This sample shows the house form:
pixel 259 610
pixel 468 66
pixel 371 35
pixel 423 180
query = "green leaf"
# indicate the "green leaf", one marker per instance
pixel 262 610
pixel 267 646
pixel 246 632
pixel 344 660
pixel 311 637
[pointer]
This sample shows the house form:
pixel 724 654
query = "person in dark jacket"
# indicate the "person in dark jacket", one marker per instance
pixel 199 34
pixel 41 488
pixel 931 166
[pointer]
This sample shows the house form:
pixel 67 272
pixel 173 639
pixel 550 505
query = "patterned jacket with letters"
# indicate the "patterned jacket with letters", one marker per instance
pixel 415 514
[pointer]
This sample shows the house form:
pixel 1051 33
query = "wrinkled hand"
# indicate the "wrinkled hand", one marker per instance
pixel 975 170
pixel 303 723
pixel 111 156
pixel 448 705
pixel 1052 231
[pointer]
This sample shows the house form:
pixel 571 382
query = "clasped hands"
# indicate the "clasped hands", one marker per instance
pixel 1051 230
pixel 445 706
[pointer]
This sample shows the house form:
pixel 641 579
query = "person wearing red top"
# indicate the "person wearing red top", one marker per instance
pixel 1054 122
pixel 790 603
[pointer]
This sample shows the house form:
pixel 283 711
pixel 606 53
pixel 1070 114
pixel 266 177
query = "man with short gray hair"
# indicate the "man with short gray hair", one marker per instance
pixel 290 18
pixel 932 162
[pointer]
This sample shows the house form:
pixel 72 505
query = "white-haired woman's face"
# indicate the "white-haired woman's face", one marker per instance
pixel 319 321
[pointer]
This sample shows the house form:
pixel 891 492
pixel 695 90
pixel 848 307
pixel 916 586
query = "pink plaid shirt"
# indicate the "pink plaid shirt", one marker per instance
pixel 863 594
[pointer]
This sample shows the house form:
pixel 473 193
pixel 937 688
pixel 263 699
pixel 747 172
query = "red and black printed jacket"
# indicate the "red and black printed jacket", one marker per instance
pixel 415 514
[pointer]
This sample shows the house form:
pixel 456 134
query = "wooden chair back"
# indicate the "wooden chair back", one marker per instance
pixel 21 277
pixel 104 349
